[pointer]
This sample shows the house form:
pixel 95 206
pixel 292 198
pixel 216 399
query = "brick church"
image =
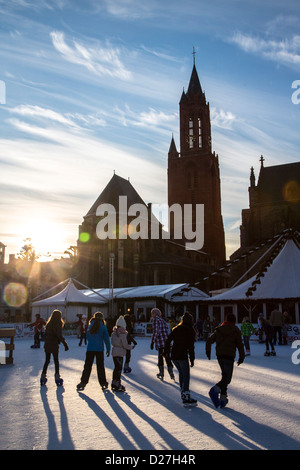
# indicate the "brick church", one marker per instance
pixel 194 179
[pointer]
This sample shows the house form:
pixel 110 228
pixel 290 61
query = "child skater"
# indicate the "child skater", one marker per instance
pixel 269 334
pixel 228 339
pixel 97 335
pixel 130 340
pixel 247 329
pixel 183 338
pixel 53 336
pixel 119 347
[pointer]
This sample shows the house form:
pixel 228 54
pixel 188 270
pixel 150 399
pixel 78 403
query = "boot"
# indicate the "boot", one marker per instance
pixel 187 400
pixel 223 400
pixel 43 379
pixel 170 370
pixel 160 375
pixel 116 386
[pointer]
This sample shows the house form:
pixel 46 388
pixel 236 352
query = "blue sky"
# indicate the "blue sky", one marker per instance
pixel 93 87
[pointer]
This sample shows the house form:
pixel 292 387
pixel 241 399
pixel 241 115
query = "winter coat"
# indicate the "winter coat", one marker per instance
pixel 160 332
pixel 247 329
pixel 228 339
pixel 38 325
pixel 119 342
pixel 95 342
pixel 276 318
pixel 53 337
pixel 183 338
pixel 268 329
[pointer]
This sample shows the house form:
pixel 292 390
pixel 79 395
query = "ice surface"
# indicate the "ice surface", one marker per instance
pixel 263 410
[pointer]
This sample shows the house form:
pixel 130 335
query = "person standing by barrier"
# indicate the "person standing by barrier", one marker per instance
pixel 160 332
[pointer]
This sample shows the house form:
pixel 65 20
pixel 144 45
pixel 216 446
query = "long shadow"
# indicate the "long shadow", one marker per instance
pixel 54 443
pixel 141 440
pixel 108 423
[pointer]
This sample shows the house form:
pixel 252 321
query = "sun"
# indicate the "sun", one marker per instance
pixel 45 235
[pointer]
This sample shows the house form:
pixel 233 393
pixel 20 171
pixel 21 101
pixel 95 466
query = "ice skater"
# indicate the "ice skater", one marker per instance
pixel 160 332
pixel 97 337
pixel 38 330
pixel 180 345
pixel 247 329
pixel 53 337
pixel 269 336
pixel 119 347
pixel 228 339
pixel 130 339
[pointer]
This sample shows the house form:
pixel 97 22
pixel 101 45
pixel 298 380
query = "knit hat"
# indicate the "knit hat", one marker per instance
pixel 155 312
pixel 121 322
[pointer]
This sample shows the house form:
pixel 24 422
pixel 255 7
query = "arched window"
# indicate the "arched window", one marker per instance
pixel 199 133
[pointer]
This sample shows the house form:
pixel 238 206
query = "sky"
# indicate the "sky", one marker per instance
pixel 89 88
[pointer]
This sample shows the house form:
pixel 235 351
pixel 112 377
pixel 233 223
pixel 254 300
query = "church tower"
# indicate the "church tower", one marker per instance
pixel 193 173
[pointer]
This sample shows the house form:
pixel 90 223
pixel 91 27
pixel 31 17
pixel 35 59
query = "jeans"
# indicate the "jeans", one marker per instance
pixel 183 368
pixel 89 360
pixel 247 342
pixel 226 365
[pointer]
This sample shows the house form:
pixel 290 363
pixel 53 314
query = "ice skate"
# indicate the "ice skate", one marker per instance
pixel 160 374
pixel 272 353
pixel 214 395
pixel 104 386
pixel 117 387
pixel 58 380
pixel 127 369
pixel 81 386
pixel 187 401
pixel 171 373
pixel 43 379
pixel 267 353
pixel 223 400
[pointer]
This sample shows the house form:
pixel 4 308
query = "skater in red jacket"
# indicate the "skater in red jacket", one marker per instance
pixel 38 329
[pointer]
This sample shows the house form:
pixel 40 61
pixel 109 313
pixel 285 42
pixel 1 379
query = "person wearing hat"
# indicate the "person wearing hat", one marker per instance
pixel 160 332
pixel 183 338
pixel 120 345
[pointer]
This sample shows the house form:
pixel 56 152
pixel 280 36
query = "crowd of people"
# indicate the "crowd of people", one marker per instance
pixel 173 341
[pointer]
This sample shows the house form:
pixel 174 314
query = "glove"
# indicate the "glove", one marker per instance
pixel 208 355
pixel 192 363
pixel 240 361
pixel 66 347
pixel 151 346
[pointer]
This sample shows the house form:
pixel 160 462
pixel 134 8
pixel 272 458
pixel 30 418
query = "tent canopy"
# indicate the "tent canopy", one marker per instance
pixel 280 281
pixel 70 295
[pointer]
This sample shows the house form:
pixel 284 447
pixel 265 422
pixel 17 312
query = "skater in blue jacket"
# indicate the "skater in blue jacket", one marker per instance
pixel 97 336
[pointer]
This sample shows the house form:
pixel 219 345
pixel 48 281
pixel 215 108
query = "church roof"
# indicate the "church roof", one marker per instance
pixel 194 85
pixel 279 183
pixel 116 187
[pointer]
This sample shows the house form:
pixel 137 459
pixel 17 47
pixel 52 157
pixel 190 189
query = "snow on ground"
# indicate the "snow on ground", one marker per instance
pixel 263 410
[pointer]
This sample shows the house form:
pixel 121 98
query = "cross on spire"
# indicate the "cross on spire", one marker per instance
pixel 194 53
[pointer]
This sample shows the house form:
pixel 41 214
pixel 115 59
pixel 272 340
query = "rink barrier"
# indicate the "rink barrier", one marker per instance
pixel 4 346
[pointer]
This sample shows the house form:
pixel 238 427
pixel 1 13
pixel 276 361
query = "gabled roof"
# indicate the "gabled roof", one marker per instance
pixel 116 187
pixel 281 279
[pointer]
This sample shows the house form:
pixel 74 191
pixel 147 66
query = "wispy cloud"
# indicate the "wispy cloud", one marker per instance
pixel 286 51
pixel 102 61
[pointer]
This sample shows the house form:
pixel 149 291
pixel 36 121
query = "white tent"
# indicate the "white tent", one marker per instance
pixel 278 282
pixel 70 301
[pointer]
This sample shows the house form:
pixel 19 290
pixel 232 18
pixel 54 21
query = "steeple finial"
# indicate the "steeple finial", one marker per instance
pixel 194 53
